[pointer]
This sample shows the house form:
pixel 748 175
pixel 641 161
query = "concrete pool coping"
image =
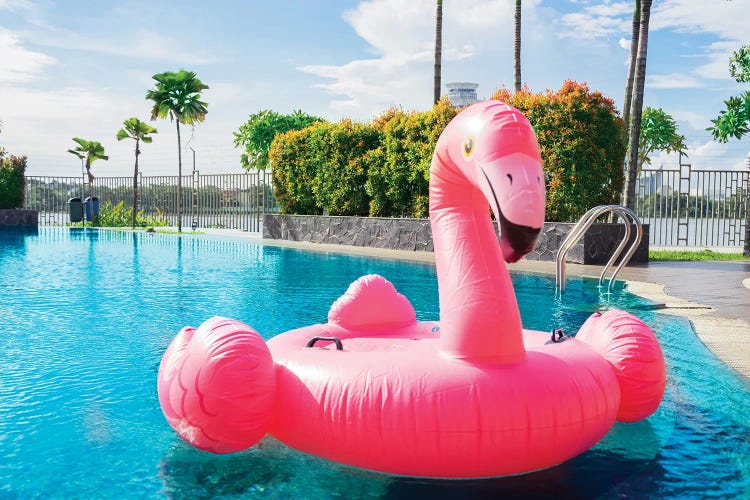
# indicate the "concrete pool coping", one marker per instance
pixel 725 334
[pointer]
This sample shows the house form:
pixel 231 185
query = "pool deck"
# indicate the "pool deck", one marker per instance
pixel 713 295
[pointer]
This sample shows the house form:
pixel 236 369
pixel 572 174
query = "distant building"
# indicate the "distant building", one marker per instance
pixel 654 182
pixel 462 93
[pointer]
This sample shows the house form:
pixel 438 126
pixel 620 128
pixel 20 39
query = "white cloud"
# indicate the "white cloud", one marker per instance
pixel 693 119
pixel 728 20
pixel 140 45
pixel 222 93
pixel 704 155
pixel 401 34
pixel 37 123
pixel 718 65
pixel 610 9
pixel 672 81
pixel 15 4
pixel 598 21
pixel 18 64
pixel 368 84
pixel 586 26
pixel 41 124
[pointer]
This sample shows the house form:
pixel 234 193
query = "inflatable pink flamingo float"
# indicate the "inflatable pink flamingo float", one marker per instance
pixel 472 396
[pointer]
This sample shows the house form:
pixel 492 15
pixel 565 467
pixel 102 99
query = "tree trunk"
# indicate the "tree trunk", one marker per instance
pixel 629 95
pixel 438 50
pixel 135 182
pixel 91 198
pixel 179 180
pixel 637 109
pixel 517 46
pixel 631 69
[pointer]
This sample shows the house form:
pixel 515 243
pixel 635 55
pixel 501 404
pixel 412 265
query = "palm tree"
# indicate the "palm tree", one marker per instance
pixel 438 50
pixel 177 95
pixel 89 151
pixel 637 108
pixel 135 129
pixel 517 46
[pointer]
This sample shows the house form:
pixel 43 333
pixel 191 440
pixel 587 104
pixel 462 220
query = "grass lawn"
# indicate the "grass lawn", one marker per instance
pixel 655 255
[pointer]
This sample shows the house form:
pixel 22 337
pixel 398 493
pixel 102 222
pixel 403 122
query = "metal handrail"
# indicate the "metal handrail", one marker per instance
pixel 583 224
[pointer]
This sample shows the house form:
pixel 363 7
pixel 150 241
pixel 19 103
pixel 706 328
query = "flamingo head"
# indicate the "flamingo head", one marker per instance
pixel 500 156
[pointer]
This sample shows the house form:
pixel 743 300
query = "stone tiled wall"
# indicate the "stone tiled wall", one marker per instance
pixel 415 234
pixel 595 247
pixel 374 232
pixel 18 217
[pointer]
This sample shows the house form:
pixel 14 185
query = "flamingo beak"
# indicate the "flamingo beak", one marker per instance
pixel 517 202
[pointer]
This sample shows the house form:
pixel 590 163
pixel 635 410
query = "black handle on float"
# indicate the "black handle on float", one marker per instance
pixel 335 340
pixel 558 335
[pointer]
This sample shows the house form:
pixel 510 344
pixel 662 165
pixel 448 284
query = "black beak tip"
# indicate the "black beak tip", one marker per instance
pixel 521 240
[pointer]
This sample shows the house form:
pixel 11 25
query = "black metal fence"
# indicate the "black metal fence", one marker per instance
pixel 696 208
pixel 684 207
pixel 232 201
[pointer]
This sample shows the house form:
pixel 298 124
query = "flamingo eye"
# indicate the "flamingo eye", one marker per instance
pixel 538 179
pixel 510 178
pixel 468 146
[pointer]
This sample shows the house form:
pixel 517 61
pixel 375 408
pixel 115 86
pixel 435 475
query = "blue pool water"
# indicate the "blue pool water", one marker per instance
pixel 86 315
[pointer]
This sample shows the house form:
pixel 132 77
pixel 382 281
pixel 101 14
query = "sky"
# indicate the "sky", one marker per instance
pixel 80 68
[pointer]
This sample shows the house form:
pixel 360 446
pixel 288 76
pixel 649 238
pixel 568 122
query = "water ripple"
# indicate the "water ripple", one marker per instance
pixel 86 316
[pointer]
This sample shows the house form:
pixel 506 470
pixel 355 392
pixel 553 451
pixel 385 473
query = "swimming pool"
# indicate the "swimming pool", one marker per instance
pixel 86 316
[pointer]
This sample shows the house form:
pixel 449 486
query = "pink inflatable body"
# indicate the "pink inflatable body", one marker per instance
pixel 474 395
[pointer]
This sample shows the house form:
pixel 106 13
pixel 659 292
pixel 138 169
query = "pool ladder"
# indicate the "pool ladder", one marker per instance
pixel 580 229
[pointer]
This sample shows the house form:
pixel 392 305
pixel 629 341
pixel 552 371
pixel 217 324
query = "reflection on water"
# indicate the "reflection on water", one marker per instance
pixel 273 470
pixel 268 470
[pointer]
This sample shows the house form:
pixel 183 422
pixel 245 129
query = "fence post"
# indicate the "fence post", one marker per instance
pixel 683 213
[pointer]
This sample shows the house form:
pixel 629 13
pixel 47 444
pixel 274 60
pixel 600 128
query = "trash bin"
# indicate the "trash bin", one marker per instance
pixel 87 205
pixel 75 210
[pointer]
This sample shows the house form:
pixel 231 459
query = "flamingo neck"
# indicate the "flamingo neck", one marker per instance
pixel 479 316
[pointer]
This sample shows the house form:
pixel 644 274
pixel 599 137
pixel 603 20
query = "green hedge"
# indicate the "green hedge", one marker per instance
pixel 347 168
pixel 382 168
pixel 323 167
pixel 399 171
pixel 12 169
pixel 293 172
pixel 580 138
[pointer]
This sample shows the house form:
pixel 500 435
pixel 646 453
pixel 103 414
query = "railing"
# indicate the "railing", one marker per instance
pixel 233 201
pixel 49 195
pixel 699 208
pixel 580 229
pixel 684 207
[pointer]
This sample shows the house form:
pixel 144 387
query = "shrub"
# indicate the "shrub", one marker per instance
pixel 257 133
pixel 293 172
pixel 121 216
pixel 12 181
pixel 326 165
pixel 323 167
pixel 338 156
pixel 580 138
pixel 399 171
